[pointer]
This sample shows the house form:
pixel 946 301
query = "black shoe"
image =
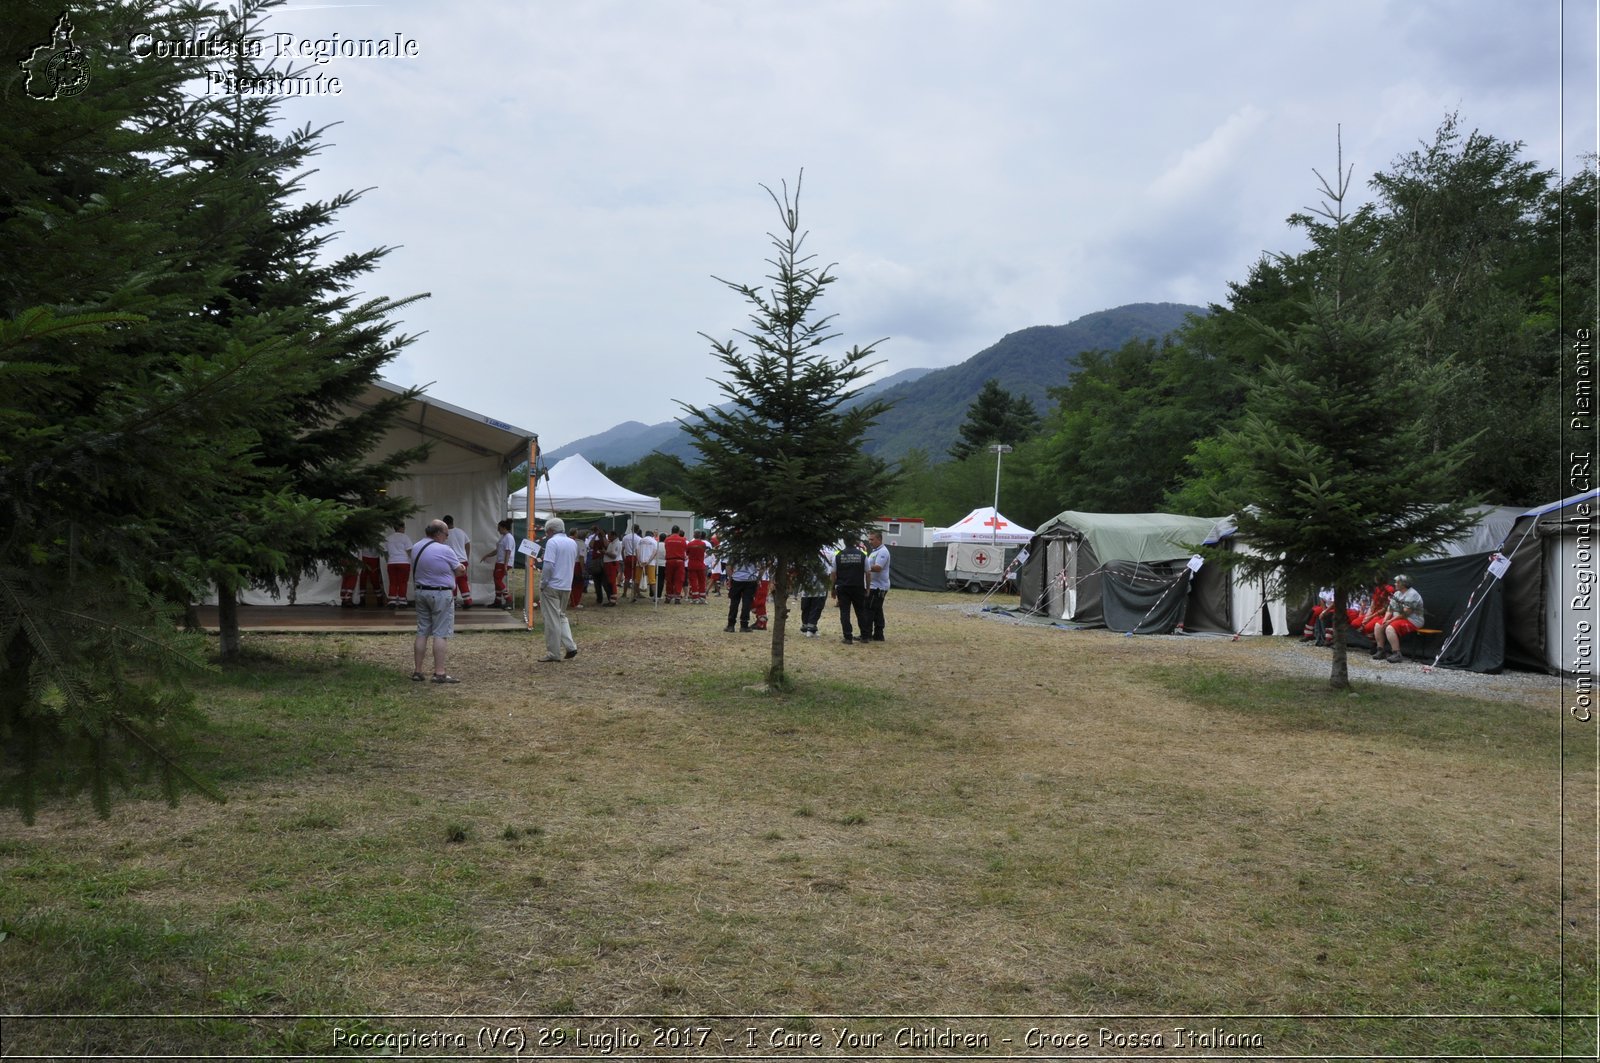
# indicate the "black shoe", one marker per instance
pixel 728 628
pixel 848 640
pixel 877 638
pixel 571 654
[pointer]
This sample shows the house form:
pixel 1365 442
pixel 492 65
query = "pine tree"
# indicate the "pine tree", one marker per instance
pixel 1338 482
pixel 115 438
pixel 153 410
pixel 313 494
pixel 995 416
pixel 782 466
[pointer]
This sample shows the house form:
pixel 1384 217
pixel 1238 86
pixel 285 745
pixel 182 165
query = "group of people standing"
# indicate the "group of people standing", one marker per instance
pixel 857 580
pixel 668 568
pixel 398 551
pixel 638 563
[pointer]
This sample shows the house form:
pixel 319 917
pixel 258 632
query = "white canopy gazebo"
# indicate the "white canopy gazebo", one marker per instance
pixel 573 484
pixel 976 547
pixel 984 525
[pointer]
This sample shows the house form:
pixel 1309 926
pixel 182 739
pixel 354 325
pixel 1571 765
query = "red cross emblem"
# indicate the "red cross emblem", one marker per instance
pixel 996 523
pixel 981 558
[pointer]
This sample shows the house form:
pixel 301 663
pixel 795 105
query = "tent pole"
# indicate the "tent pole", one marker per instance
pixel 528 566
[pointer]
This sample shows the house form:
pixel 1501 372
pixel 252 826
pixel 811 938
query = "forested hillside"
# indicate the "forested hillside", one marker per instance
pixel 927 413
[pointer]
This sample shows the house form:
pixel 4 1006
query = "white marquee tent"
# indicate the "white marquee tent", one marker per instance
pixel 573 484
pixel 464 475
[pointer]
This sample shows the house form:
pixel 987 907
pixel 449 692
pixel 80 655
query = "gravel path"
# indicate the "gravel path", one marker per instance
pixel 1293 657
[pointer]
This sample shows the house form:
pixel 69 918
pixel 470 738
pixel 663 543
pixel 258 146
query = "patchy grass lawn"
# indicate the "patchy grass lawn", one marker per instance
pixel 969 819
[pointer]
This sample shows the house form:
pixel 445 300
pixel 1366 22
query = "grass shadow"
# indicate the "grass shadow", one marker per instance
pixel 1493 729
pixel 819 705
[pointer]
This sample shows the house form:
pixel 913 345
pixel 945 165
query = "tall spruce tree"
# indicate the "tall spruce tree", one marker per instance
pixel 138 427
pixel 995 416
pixel 314 493
pixel 116 439
pixel 782 470
pixel 1338 481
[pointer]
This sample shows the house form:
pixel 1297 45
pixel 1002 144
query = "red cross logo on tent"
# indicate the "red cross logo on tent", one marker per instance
pixel 995 522
pixel 981 558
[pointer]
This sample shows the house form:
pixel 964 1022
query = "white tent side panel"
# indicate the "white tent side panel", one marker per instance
pixel 464 476
pixel 1069 580
pixel 1248 596
pixel 475 500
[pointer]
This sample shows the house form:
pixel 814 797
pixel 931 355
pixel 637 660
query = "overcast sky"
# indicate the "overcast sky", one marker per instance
pixel 565 178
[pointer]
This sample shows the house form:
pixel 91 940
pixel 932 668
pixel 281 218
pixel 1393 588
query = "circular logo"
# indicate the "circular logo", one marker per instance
pixel 68 73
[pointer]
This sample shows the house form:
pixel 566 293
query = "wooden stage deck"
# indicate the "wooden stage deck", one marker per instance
pixel 325 618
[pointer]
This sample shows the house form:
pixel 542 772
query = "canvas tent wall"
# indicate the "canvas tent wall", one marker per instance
pixel 1550 587
pixel 1226 600
pixel 574 485
pixel 1078 554
pixel 464 475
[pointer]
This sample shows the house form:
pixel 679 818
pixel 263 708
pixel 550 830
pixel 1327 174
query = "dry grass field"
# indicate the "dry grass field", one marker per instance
pixel 973 819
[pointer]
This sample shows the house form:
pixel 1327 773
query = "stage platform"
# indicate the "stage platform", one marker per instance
pixel 332 618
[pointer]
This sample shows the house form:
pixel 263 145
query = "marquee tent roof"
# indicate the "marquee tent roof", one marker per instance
pixel 573 484
pixel 462 439
pixel 1134 536
pixel 983 525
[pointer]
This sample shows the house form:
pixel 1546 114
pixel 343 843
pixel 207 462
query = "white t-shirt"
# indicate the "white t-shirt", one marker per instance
pixel 507 551
pixel 879 580
pixel 398 548
pixel 460 542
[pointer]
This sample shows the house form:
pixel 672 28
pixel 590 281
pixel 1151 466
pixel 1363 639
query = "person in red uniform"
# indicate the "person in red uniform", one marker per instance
pixel 362 567
pixel 759 606
pixel 695 568
pixel 398 547
pixel 1368 621
pixel 676 551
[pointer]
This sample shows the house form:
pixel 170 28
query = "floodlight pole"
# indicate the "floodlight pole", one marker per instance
pixel 994 519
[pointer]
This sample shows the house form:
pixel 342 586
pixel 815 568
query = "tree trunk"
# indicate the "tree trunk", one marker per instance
pixel 778 603
pixel 1340 679
pixel 228 620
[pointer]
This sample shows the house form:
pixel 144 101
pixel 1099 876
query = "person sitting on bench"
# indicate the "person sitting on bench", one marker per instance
pixel 1402 617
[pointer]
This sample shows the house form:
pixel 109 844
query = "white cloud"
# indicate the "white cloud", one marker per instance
pixel 565 178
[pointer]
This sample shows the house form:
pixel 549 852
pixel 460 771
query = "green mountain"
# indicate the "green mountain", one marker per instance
pixel 928 412
pixel 629 441
pixel 929 405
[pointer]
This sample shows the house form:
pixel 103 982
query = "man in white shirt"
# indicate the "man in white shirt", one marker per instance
pixel 877 586
pixel 648 549
pixel 630 561
pixel 461 543
pixel 555 586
